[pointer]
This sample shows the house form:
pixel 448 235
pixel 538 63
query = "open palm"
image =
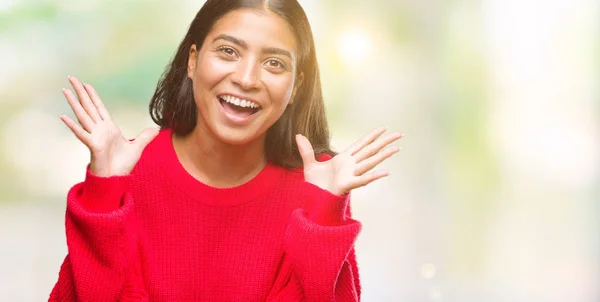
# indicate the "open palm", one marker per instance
pixel 111 153
pixel 349 169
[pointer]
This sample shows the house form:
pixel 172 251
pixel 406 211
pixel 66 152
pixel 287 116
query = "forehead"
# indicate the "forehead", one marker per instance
pixel 256 28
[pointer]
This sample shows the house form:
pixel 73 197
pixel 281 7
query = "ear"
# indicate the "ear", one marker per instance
pixel 298 83
pixel 191 67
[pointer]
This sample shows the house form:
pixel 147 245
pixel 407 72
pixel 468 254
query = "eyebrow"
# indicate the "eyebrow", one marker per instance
pixel 243 44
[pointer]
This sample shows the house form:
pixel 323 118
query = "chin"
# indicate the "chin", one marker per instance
pixel 238 137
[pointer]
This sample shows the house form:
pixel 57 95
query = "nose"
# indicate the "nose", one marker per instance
pixel 246 75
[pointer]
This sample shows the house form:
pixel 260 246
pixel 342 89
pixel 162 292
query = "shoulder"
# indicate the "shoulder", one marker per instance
pixel 161 142
pixel 323 156
pixel 156 151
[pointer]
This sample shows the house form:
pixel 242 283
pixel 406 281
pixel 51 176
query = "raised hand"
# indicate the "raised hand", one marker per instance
pixel 111 152
pixel 348 170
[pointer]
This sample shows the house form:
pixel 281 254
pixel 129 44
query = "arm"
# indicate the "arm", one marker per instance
pixel 101 233
pixel 101 239
pixel 320 262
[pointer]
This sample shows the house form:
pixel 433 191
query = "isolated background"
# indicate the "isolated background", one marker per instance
pixel 493 198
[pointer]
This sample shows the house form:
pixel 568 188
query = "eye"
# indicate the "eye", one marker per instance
pixel 228 51
pixel 275 63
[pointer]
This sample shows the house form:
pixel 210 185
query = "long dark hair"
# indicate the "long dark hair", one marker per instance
pixel 172 105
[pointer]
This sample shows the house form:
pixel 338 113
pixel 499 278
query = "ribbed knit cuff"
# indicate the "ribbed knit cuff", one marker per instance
pixel 324 207
pixel 103 194
pixel 318 253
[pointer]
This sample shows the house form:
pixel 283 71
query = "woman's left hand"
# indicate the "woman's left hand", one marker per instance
pixel 348 170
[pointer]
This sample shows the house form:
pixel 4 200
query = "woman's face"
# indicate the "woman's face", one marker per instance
pixel 243 75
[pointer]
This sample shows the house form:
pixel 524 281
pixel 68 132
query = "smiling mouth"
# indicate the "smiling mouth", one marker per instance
pixel 238 107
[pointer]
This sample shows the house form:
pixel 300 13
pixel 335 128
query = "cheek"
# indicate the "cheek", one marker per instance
pixel 210 71
pixel 281 89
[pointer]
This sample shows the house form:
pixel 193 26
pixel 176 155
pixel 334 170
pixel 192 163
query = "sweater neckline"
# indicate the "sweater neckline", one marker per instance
pixel 201 192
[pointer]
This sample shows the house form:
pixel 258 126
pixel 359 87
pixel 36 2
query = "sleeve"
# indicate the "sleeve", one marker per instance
pixel 319 262
pixel 102 245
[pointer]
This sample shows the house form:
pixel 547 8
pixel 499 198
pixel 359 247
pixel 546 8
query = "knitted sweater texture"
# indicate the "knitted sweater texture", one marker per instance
pixel 158 234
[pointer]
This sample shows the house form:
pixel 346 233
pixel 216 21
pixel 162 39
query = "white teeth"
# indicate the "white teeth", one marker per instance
pixel 239 102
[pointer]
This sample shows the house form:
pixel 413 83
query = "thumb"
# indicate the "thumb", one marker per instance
pixel 145 137
pixel 306 150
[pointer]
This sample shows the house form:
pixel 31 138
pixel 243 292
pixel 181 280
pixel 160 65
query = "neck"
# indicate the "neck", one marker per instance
pixel 216 163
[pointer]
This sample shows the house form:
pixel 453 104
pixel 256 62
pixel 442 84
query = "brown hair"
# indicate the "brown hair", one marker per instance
pixel 173 106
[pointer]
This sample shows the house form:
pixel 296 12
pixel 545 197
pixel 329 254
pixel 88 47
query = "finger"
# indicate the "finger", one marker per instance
pixel 370 163
pixel 82 116
pixel 81 134
pixel 306 150
pixel 145 137
pixel 97 101
pixel 376 146
pixel 85 100
pixel 368 178
pixel 367 139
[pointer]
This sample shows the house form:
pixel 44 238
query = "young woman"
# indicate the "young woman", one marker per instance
pixel 238 197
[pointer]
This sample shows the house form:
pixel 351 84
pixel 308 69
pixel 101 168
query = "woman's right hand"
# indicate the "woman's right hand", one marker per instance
pixel 111 153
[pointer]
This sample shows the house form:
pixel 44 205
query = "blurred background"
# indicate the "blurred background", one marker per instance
pixel 493 198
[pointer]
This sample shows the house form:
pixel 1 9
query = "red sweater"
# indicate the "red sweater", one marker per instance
pixel 158 234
